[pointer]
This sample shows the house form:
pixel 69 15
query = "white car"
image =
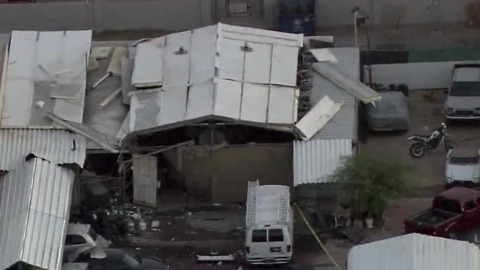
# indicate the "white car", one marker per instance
pixel 83 236
pixel 463 167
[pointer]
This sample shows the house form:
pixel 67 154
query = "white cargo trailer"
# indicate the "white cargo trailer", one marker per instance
pixel 269 224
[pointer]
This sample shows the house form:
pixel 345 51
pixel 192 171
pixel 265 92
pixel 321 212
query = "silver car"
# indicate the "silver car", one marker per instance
pixel 463 167
pixel 463 99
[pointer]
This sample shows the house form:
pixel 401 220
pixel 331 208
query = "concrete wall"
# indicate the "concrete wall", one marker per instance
pixel 100 15
pixel 389 12
pixel 222 174
pixel 430 75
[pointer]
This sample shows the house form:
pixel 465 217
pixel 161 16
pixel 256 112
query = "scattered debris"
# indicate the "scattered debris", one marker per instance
pixel 215 258
pixel 109 98
pixel 100 52
pixel 155 224
pixel 115 65
pixel 102 79
pixel 92 64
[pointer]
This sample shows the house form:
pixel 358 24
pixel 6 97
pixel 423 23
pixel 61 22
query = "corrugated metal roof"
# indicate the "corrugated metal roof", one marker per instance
pixel 34 212
pixel 315 160
pixel 343 124
pixel 415 252
pixel 222 71
pixel 47 68
pixel 267 204
pixel 58 146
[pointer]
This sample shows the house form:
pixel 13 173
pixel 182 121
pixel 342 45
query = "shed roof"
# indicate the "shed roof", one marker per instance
pixel 48 70
pixel 34 206
pixel 414 252
pixel 220 72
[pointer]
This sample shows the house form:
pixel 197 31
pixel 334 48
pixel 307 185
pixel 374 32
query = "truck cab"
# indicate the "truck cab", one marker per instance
pixel 453 211
pixel 463 98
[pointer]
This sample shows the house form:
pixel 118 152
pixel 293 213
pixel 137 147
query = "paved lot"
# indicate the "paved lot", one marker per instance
pixel 425 111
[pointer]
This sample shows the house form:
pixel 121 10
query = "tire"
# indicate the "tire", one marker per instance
pixel 449 144
pixel 417 150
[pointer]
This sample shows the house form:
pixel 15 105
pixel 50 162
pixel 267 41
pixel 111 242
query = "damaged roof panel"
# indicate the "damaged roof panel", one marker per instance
pixel 177 59
pixel 45 70
pixel 219 65
pixel 254 102
pixel 58 146
pixel 34 212
pixel 202 54
pixel 148 66
pixel 228 98
pixel 349 84
pixel 317 117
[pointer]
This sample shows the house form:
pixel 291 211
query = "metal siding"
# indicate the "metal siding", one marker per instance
pixel 281 105
pixel 228 96
pixel 173 105
pixel 416 252
pixel 34 214
pixel 148 65
pixel 315 160
pixel 53 58
pixel 145 180
pixel 53 145
pixel 343 125
pixel 231 59
pixel 202 54
pixel 200 100
pixel 177 66
pixel 258 63
pixel 284 65
pixel 254 103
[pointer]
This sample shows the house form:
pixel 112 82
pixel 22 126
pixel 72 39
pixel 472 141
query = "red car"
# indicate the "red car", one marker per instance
pixel 453 211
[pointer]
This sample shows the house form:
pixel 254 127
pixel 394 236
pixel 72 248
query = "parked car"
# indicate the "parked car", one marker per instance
pixel 463 167
pixel 390 113
pixel 82 235
pixel 117 259
pixel 453 211
pixel 463 98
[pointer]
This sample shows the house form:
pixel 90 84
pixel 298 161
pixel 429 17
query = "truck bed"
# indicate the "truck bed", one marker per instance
pixel 432 217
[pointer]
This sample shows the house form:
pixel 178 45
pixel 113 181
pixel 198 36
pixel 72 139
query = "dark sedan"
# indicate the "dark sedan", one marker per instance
pixel 117 259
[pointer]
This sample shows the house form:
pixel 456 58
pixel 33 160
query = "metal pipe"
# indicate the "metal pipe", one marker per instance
pixel 102 79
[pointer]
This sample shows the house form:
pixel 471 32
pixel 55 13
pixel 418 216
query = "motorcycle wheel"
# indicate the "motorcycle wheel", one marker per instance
pixel 417 150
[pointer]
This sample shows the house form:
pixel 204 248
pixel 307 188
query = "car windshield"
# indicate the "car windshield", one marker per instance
pixel 132 260
pixel 464 160
pixel 465 89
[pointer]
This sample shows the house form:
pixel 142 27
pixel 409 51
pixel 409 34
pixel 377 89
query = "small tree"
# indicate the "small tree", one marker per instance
pixel 371 182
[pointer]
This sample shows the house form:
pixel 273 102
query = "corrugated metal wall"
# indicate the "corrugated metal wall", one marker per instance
pixel 34 210
pixel 415 252
pixel 58 146
pixel 315 160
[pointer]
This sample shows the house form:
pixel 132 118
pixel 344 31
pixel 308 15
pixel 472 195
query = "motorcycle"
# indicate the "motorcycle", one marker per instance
pixel 423 143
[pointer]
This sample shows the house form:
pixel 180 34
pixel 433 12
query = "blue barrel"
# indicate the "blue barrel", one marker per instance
pixel 297 24
pixel 297 7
